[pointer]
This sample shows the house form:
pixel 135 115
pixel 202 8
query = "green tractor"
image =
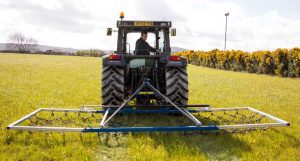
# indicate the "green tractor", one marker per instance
pixel 124 71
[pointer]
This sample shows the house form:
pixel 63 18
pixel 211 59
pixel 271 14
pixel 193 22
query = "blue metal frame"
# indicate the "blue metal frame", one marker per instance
pixel 142 111
pixel 152 129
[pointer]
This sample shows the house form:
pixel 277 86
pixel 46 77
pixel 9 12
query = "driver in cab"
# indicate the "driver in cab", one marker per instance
pixel 142 47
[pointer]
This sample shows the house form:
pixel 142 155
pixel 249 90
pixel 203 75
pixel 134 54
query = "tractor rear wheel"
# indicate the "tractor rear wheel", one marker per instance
pixel 177 85
pixel 112 85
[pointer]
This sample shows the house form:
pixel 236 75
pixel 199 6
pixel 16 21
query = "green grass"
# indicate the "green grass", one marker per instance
pixel 31 81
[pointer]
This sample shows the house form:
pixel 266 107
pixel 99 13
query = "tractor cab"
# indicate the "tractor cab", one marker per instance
pixel 130 31
pixel 125 70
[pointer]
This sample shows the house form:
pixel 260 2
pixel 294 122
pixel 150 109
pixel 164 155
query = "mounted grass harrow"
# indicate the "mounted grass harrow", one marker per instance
pixel 131 120
pixel 164 118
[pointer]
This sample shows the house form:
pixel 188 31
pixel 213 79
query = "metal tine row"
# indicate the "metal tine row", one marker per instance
pixel 231 120
pixel 45 121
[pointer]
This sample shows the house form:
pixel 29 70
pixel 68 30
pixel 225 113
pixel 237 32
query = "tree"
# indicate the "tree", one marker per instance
pixel 20 43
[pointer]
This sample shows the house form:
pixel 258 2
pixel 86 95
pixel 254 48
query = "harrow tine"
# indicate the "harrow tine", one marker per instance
pixel 107 139
pixel 99 136
pixel 116 136
pixel 64 138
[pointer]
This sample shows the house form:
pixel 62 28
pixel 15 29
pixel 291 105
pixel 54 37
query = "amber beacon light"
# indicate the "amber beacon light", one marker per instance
pixel 121 15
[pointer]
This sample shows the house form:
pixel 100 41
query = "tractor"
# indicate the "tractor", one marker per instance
pixel 124 71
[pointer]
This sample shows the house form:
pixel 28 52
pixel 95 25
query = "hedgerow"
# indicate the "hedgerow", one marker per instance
pixel 281 62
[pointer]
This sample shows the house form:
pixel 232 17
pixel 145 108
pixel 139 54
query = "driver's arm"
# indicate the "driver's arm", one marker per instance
pixel 150 48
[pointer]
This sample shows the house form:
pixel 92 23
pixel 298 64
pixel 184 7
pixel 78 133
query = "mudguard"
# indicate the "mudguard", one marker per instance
pixel 107 62
pixel 182 63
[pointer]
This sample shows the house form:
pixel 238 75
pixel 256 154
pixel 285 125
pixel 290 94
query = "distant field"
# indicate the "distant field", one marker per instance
pixel 31 81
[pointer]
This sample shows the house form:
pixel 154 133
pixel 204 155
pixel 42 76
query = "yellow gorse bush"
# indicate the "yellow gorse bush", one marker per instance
pixel 281 62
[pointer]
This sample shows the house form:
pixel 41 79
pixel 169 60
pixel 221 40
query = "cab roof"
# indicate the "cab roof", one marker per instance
pixel 144 24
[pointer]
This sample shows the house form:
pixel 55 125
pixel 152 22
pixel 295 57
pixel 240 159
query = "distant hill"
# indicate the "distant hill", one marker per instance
pixel 2 46
pixel 46 47
pixel 72 50
pixel 175 49
pixel 55 48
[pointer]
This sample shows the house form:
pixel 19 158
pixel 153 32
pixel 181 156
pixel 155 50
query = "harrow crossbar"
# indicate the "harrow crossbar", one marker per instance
pixel 87 110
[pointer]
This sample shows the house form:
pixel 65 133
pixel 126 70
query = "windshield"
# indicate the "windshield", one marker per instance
pixel 151 39
pixel 133 37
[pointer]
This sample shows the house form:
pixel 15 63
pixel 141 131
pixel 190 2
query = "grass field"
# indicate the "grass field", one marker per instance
pixel 31 81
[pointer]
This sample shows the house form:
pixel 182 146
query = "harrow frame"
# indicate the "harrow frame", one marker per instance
pixel 111 111
pixel 277 122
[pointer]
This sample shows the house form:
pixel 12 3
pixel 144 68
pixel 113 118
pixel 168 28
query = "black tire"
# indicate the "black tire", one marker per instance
pixel 177 85
pixel 112 85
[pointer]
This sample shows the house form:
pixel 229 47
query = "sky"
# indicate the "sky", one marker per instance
pixel 200 24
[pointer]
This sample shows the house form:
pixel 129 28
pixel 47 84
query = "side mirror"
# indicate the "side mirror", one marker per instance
pixel 173 32
pixel 109 31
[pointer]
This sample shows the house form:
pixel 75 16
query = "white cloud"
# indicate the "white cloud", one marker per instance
pixel 200 24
